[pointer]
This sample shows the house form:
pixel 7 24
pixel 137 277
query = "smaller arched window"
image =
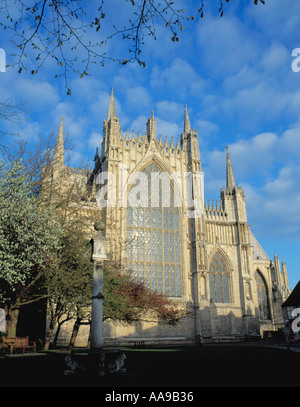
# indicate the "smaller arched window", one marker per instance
pixel 219 280
pixel 262 296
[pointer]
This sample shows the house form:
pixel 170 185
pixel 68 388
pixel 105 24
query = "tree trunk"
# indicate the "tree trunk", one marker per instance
pixel 12 315
pixel 75 330
pixel 50 332
pixel 57 334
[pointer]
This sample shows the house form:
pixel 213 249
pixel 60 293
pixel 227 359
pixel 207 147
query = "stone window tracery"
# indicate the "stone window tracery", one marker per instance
pixel 262 296
pixel 153 238
pixel 219 283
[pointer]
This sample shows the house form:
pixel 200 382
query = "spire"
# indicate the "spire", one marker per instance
pixel 58 159
pixel 230 181
pixel 151 127
pixel 96 155
pixel 112 108
pixel 187 125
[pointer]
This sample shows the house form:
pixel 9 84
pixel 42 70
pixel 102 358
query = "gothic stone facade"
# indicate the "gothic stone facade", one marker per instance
pixel 210 263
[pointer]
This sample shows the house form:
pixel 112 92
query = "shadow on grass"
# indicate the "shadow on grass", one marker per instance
pixel 190 366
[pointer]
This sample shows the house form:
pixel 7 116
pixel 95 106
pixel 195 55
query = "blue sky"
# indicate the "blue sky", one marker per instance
pixel 234 73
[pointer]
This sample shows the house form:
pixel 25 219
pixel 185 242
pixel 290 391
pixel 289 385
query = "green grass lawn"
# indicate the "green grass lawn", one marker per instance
pixel 190 366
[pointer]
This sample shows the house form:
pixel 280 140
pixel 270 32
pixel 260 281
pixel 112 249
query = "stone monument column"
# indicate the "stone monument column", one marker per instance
pixel 99 361
pixel 98 257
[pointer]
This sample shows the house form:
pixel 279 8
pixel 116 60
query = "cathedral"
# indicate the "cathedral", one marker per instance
pixel 201 254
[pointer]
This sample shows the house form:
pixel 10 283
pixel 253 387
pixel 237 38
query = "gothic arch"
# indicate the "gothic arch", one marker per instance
pixel 220 281
pixel 154 159
pixel 264 309
pixel 225 257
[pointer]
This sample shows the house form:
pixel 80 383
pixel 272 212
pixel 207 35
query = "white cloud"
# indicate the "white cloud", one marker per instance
pixel 246 77
pixel 257 105
pixel 138 97
pixel 180 76
pixel 164 128
pixel 170 110
pixel 225 44
pixel 39 95
pixel 275 19
pixel 30 130
pixel 278 202
pixel 214 168
pixel 95 141
pixel 256 155
pixel 206 127
pixel 275 58
pixel 269 176
pixel 99 106
pixel 290 143
pixel 63 109
pixel 168 129
pixel 139 124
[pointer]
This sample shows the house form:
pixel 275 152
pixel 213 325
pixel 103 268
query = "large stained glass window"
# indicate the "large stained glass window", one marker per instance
pixel 153 238
pixel 219 280
pixel 263 303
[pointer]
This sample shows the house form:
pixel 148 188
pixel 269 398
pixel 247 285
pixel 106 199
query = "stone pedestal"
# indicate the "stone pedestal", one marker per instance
pixel 95 362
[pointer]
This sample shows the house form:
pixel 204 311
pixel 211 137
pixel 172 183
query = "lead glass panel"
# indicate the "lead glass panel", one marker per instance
pixel 153 277
pixel 171 245
pixel 212 288
pixel 147 218
pixel 159 278
pixel 225 288
pixel 165 216
pixel 129 216
pixel 166 246
pixel 172 280
pixel 158 219
pixel 148 276
pixel 167 280
pixel 159 246
pixel 178 280
pixel 134 271
pixel 153 218
pixel 141 217
pixel 141 272
pixel 177 248
pixel 147 244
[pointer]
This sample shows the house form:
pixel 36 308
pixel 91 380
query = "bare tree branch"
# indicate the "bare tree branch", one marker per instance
pixel 60 30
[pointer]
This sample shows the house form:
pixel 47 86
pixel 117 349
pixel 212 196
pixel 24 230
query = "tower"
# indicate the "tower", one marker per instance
pixel 196 229
pixel 111 130
pixel 109 164
pixel 58 158
pixel 151 128
pixel 233 201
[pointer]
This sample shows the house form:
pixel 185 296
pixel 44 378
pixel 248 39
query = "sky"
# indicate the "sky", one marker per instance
pixel 234 73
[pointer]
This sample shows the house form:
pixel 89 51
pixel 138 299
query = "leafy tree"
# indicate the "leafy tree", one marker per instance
pixel 69 285
pixel 129 301
pixel 29 239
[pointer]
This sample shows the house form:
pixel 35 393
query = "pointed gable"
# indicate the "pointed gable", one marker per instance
pixel 293 299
